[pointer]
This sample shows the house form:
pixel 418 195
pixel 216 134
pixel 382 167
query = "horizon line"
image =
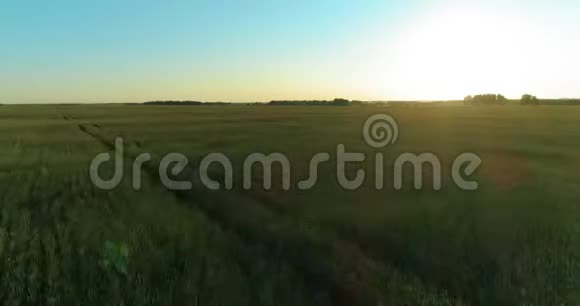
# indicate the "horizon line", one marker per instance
pixel 263 102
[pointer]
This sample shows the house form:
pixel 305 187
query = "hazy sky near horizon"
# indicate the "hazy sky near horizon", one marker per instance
pixel 129 51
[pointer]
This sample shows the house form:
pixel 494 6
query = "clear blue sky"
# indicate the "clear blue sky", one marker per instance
pixel 122 51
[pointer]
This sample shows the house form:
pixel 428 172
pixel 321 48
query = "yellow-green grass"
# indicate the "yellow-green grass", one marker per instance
pixel 512 242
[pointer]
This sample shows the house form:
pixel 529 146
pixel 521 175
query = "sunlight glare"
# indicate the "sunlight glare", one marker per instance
pixel 456 52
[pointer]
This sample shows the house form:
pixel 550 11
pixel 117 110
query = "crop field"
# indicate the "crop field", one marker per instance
pixel 513 241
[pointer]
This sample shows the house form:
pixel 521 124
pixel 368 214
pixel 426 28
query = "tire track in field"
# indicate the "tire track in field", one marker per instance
pixel 218 209
pixel 352 278
pixel 35 241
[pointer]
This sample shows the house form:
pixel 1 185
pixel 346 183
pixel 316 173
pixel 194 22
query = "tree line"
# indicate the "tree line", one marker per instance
pixel 335 102
pixel 185 103
pixel 498 99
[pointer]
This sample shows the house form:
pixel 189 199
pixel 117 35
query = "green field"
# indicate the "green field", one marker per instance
pixel 514 241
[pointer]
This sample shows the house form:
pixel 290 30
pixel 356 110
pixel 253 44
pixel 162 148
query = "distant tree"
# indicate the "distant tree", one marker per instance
pixel 529 100
pixel 487 99
pixel 501 100
pixel 468 100
pixel 173 103
pixel 335 102
pixel 342 102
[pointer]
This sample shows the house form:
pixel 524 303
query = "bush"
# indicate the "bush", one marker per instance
pixel 487 99
pixel 529 100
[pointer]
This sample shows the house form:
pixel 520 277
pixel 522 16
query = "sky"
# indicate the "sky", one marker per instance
pixel 70 51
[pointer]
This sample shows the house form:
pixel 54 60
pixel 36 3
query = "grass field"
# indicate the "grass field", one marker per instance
pixel 514 241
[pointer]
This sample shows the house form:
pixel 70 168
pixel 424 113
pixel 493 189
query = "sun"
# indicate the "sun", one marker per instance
pixel 453 52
